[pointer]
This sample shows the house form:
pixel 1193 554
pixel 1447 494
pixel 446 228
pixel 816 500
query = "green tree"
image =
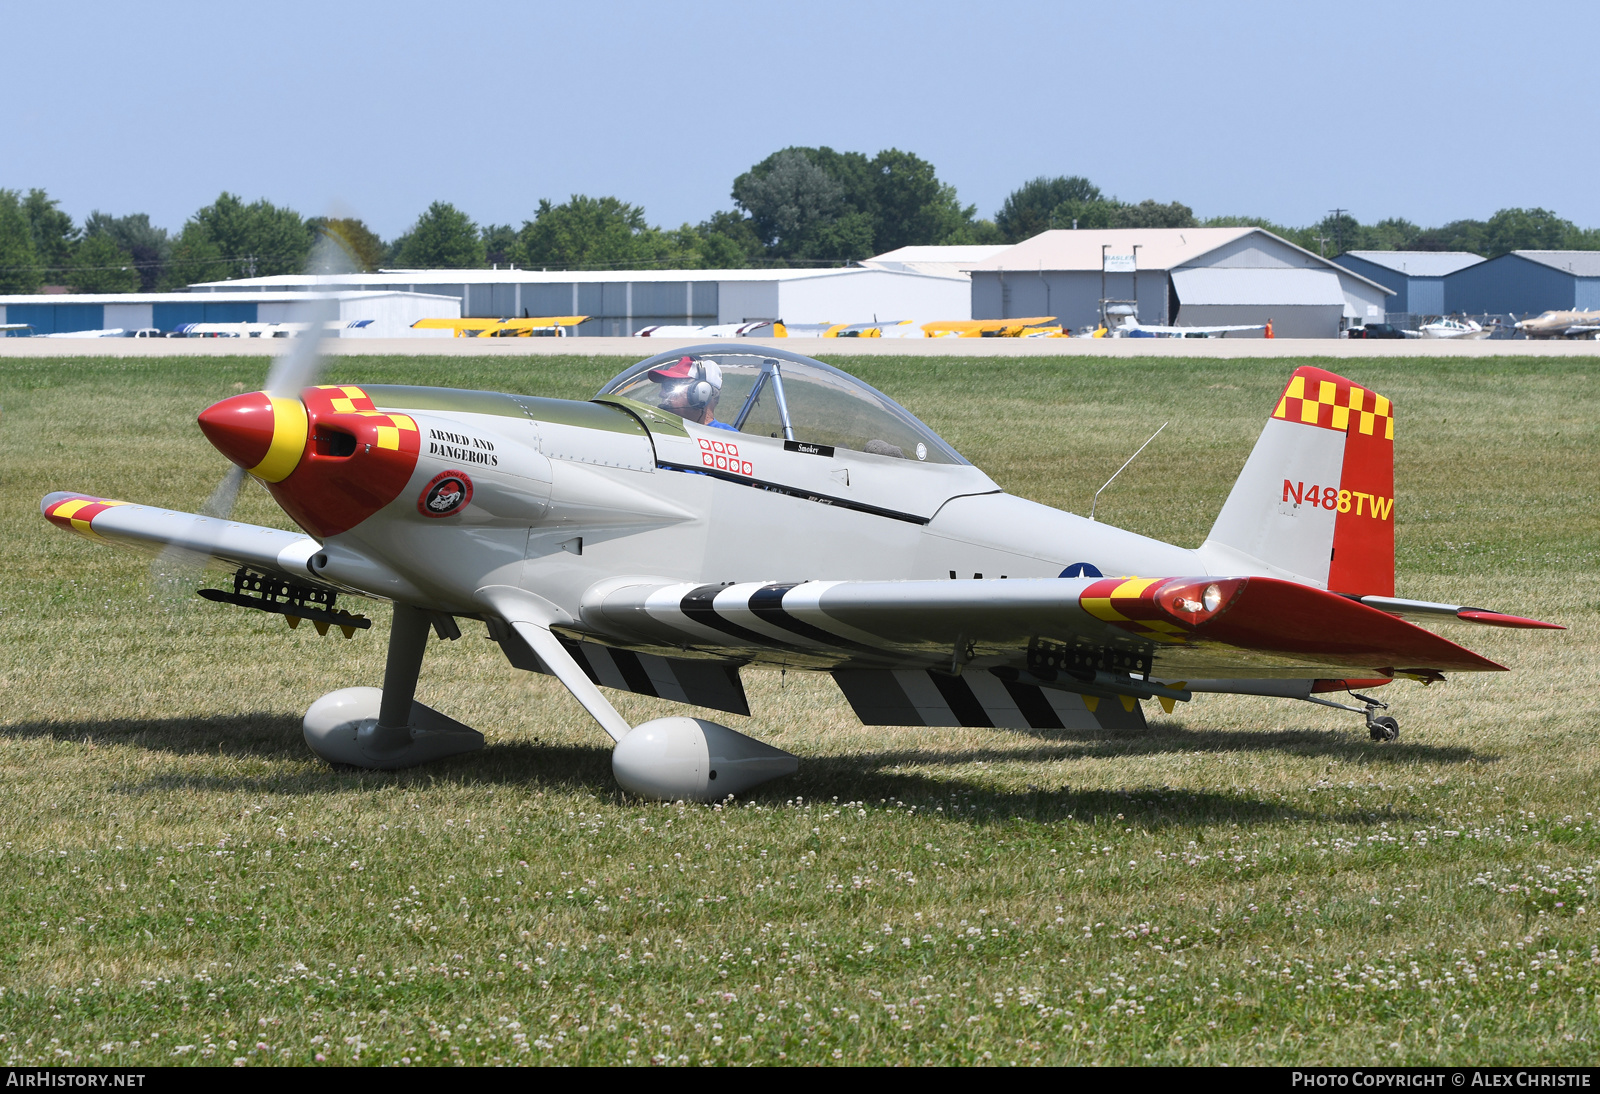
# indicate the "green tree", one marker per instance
pixel 194 258
pixel 1300 237
pixel 1393 234
pixel 911 206
pixel 585 233
pixel 147 246
pixel 790 199
pixel 1155 214
pixel 1029 209
pixel 1457 235
pixel 728 241
pixel 816 205
pixel 847 237
pixel 1527 230
pixel 54 235
pixel 1341 231
pixel 229 239
pixel 99 265
pixel 498 242
pixel 261 239
pixel 978 231
pixel 1585 239
pixel 359 248
pixel 856 175
pixel 443 238
pixel 19 268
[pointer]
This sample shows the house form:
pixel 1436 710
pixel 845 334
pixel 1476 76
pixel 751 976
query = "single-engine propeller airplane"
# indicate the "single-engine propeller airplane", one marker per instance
pixel 727 507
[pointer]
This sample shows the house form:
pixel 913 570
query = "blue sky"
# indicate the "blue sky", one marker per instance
pixel 1430 111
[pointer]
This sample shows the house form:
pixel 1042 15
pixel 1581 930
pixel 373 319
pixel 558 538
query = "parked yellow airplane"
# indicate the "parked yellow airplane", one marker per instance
pixel 502 328
pixel 1035 327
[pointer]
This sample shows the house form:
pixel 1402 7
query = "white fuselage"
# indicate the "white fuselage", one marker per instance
pixel 563 508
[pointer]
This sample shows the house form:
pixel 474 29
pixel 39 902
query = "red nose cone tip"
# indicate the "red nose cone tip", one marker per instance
pixel 240 427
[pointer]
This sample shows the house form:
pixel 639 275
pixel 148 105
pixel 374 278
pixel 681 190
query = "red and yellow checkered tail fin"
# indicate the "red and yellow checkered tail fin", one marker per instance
pixel 1315 501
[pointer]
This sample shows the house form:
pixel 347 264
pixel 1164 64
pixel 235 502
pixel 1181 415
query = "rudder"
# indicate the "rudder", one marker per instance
pixel 1315 501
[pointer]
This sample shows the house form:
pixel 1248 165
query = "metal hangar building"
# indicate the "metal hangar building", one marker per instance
pixel 1417 277
pixel 621 303
pixel 1527 283
pixel 391 313
pixel 1179 277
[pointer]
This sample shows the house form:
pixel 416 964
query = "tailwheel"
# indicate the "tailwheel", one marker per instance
pixel 1383 729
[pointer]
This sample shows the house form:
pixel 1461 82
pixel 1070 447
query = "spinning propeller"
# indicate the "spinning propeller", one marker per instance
pixel 177 567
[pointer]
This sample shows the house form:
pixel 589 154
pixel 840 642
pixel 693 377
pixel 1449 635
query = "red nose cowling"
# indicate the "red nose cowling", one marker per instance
pixel 349 462
pixel 240 428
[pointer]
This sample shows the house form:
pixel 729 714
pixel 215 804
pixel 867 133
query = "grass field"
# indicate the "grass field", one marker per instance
pixel 1246 882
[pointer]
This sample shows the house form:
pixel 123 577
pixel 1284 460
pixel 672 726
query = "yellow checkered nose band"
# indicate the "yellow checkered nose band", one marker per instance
pixel 1319 398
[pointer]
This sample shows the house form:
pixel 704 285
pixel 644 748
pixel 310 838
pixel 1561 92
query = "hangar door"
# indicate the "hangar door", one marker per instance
pixel 1300 303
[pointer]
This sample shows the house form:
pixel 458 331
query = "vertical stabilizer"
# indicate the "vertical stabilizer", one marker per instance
pixel 1315 501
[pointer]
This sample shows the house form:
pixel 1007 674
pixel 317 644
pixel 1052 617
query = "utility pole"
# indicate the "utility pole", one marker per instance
pixel 1322 242
pixel 1338 228
pixel 1136 281
pixel 1104 247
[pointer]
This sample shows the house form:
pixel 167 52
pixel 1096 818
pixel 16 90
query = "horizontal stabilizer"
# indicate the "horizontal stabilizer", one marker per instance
pixel 1431 612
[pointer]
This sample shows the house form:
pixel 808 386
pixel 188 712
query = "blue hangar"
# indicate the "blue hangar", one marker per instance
pixel 1417 277
pixel 1527 283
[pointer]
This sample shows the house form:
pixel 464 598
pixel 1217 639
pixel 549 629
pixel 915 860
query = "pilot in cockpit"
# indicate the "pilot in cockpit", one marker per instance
pixel 690 389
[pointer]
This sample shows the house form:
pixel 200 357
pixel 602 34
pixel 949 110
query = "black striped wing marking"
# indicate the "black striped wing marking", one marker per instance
pixel 977 698
pixel 713 684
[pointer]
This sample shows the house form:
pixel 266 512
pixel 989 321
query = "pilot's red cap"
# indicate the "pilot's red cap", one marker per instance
pixel 682 369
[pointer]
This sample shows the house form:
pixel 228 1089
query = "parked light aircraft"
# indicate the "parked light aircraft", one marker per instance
pixel 105 332
pixel 1031 327
pixel 753 328
pixel 776 328
pixel 1130 327
pixel 725 508
pixel 1465 330
pixel 557 325
pixel 1562 324
pixel 264 330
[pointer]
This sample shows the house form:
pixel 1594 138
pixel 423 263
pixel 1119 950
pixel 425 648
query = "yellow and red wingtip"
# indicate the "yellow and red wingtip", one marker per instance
pixel 1162 609
pixel 76 512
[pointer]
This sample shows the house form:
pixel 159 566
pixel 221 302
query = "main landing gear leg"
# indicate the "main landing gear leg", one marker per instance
pixel 387 728
pixel 667 758
pixel 1380 727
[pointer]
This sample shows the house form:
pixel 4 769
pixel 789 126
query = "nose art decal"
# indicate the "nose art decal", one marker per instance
pixel 448 492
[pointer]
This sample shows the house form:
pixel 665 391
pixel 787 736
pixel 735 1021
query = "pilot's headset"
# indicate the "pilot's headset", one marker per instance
pixel 698 381
pixel 701 381
pixel 705 382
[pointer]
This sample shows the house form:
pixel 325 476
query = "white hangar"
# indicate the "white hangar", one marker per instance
pixel 1179 277
pixel 621 302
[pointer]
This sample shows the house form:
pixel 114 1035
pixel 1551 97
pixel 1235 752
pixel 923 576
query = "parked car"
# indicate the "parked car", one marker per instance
pixel 1377 330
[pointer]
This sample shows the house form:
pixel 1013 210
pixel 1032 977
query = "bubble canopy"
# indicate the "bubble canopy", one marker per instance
pixel 776 393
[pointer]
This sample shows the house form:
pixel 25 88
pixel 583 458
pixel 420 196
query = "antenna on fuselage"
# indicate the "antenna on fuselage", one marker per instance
pixel 1123 468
